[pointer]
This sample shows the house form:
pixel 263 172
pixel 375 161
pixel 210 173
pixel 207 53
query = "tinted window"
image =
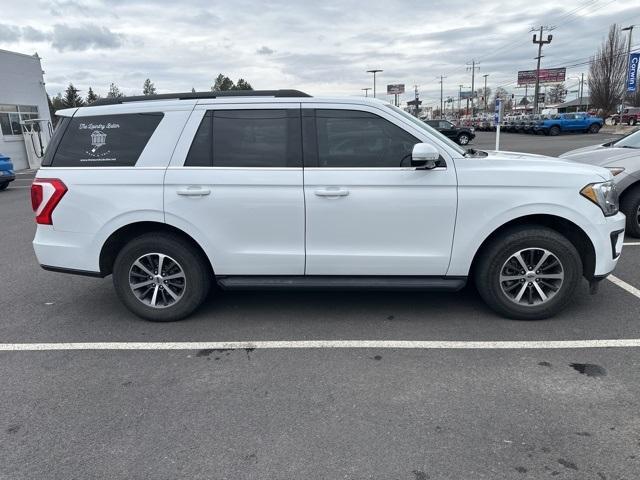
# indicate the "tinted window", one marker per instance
pixel 105 140
pixel 348 138
pixel 247 138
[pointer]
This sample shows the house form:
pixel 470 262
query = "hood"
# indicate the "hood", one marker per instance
pixel 590 148
pixel 601 156
pixel 529 162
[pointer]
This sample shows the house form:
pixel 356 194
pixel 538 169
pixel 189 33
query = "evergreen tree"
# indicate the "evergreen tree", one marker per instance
pixel 222 83
pixel 91 96
pixel 193 90
pixel 148 88
pixel 114 92
pixel 72 97
pixel 242 84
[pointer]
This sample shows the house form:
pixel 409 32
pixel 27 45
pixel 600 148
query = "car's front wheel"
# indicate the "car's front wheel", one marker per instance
pixel 3 186
pixel 632 121
pixel 554 131
pixel 160 277
pixel 528 273
pixel 630 206
pixel 594 128
pixel 463 139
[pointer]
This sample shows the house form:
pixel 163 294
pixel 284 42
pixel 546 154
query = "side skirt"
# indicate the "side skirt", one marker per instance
pixel 321 282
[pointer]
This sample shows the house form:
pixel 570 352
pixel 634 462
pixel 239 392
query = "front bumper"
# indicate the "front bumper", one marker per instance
pixel 608 244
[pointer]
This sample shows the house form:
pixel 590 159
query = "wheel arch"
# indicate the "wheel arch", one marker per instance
pixel 119 238
pixel 576 235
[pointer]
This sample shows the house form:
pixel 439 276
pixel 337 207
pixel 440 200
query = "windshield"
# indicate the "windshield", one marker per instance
pixel 423 126
pixel 630 141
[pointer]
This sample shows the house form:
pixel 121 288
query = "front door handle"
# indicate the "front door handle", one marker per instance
pixel 332 192
pixel 193 191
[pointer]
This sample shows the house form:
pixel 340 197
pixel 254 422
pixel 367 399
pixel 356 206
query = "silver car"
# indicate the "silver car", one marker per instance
pixel 622 158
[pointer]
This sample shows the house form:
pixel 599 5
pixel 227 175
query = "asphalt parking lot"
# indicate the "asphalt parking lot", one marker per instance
pixel 441 408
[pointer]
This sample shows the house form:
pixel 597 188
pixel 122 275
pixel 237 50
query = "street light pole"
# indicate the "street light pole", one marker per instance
pixel 374 71
pixel 630 30
pixel 485 91
pixel 366 91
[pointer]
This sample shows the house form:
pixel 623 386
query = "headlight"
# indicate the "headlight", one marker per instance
pixel 604 194
pixel 615 170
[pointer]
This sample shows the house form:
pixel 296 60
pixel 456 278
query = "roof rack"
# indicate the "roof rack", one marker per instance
pixel 197 95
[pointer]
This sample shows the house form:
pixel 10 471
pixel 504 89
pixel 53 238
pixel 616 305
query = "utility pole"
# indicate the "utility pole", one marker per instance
pixel 581 83
pixel 473 69
pixel 485 91
pixel 415 91
pixel 540 42
pixel 459 98
pixel 442 77
pixel 366 91
pixel 374 71
pixel 630 30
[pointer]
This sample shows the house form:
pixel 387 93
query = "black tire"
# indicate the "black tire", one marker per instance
pixel 554 131
pixel 3 186
pixel 632 122
pixel 463 139
pixel 594 128
pixel 630 206
pixel 493 258
pixel 197 275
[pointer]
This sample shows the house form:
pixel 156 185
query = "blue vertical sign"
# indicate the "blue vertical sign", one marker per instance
pixel 632 76
pixel 496 116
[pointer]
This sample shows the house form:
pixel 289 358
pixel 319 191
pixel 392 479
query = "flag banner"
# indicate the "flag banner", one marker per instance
pixel 632 76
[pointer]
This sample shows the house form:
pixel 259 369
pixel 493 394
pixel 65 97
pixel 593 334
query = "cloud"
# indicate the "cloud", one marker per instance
pixel 9 33
pixel 265 51
pixel 31 34
pixel 84 38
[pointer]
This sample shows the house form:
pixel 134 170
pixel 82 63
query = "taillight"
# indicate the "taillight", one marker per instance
pixel 46 193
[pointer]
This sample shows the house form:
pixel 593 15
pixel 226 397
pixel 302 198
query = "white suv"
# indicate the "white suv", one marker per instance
pixel 273 189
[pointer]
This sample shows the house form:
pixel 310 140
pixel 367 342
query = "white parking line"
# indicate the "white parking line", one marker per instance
pixel 327 344
pixel 631 244
pixel 624 285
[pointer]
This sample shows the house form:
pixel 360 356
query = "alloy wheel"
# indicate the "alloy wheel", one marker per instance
pixel 531 276
pixel 157 280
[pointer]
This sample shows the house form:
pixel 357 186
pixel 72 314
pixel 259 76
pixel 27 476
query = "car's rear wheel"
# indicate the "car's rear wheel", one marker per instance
pixel 594 128
pixel 160 277
pixel 3 186
pixel 554 131
pixel 529 273
pixel 463 139
pixel 632 121
pixel 630 206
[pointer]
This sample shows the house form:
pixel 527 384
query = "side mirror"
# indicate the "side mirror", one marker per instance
pixel 424 156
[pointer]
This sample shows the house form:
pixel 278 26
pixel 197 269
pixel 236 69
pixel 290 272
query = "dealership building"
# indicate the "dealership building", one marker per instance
pixel 25 122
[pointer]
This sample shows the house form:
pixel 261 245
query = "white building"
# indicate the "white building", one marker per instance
pixel 23 99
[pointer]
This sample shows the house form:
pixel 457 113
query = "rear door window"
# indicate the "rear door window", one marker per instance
pixel 247 138
pixel 105 140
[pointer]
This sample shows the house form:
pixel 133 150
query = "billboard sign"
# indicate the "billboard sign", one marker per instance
pixel 632 74
pixel 395 89
pixel 466 95
pixel 547 75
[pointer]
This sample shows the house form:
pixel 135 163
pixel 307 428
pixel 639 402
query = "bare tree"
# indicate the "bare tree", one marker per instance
pixel 607 73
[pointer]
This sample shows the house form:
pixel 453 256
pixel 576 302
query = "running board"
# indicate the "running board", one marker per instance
pixel 321 282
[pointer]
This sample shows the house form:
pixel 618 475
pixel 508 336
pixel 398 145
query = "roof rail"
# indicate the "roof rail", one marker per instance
pixel 197 95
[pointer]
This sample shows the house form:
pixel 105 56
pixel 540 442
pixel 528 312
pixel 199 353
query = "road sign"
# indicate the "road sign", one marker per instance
pixel 395 89
pixel 632 74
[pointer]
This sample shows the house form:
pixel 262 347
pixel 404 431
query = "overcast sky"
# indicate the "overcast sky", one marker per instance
pixel 321 47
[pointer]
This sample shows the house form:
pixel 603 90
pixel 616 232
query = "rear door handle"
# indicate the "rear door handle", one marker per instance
pixel 332 192
pixel 193 191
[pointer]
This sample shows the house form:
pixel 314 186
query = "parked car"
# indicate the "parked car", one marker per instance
pixel 277 189
pixel 622 158
pixel 569 122
pixel 630 116
pixel 460 135
pixel 7 175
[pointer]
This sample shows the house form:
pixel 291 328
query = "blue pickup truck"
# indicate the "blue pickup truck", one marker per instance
pixel 7 174
pixel 569 122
